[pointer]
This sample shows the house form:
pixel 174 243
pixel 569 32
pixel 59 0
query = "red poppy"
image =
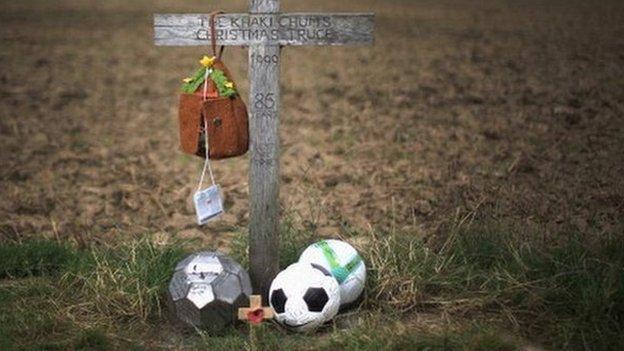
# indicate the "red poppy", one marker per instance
pixel 255 316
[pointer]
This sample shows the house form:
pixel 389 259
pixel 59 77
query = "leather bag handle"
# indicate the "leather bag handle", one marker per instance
pixel 213 36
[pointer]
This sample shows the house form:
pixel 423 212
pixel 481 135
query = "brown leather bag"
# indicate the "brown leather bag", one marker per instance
pixel 226 117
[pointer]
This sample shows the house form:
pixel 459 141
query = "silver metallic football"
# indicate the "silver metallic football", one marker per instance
pixel 207 289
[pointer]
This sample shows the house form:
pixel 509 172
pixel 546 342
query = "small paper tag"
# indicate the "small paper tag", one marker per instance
pixel 208 204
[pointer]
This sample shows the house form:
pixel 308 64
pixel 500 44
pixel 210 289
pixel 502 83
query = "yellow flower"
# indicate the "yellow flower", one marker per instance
pixel 229 85
pixel 187 80
pixel 207 61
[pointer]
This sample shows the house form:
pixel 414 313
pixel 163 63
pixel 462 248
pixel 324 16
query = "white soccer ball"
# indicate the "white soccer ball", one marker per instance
pixel 343 261
pixel 304 297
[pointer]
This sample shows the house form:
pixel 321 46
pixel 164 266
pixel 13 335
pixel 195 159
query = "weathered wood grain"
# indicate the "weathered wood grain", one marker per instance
pixel 264 104
pixel 266 28
pixel 264 6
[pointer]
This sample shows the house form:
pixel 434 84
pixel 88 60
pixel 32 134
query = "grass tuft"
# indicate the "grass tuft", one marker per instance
pixel 402 271
pixel 125 282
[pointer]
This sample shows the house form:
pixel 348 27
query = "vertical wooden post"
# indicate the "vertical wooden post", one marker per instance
pixel 264 102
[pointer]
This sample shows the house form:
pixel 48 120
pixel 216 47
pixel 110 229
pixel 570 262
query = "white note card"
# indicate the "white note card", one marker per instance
pixel 208 204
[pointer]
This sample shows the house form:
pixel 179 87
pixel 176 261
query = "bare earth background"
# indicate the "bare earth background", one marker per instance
pixel 498 109
pixel 514 109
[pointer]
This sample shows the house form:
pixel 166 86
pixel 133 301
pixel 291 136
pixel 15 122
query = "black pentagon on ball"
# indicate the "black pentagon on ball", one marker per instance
pixel 278 300
pixel 315 298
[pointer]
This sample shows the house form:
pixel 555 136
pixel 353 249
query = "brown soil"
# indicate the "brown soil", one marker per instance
pixel 503 109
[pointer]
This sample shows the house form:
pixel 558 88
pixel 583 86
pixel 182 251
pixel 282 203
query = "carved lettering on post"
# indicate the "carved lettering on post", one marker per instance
pixel 280 29
pixel 264 30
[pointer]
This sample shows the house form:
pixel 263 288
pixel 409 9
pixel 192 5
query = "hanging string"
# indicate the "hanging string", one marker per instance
pixel 208 71
pixel 207 162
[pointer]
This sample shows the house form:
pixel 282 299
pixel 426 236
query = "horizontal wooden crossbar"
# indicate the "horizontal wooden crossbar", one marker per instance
pixel 270 29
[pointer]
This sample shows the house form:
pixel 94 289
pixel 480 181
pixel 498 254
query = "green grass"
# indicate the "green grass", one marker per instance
pixel 486 277
pixel 62 293
pixel 394 336
pixel 376 332
pixel 567 294
pixel 34 258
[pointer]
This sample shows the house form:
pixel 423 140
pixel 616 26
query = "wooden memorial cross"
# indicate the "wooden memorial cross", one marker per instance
pixel 264 30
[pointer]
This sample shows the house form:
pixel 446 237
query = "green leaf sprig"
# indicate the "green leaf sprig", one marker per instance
pixel 192 83
pixel 225 87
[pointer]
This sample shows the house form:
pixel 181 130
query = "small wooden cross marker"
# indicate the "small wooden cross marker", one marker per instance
pixel 255 313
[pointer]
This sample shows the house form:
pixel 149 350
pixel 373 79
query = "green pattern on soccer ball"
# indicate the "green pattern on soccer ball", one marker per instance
pixel 341 273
